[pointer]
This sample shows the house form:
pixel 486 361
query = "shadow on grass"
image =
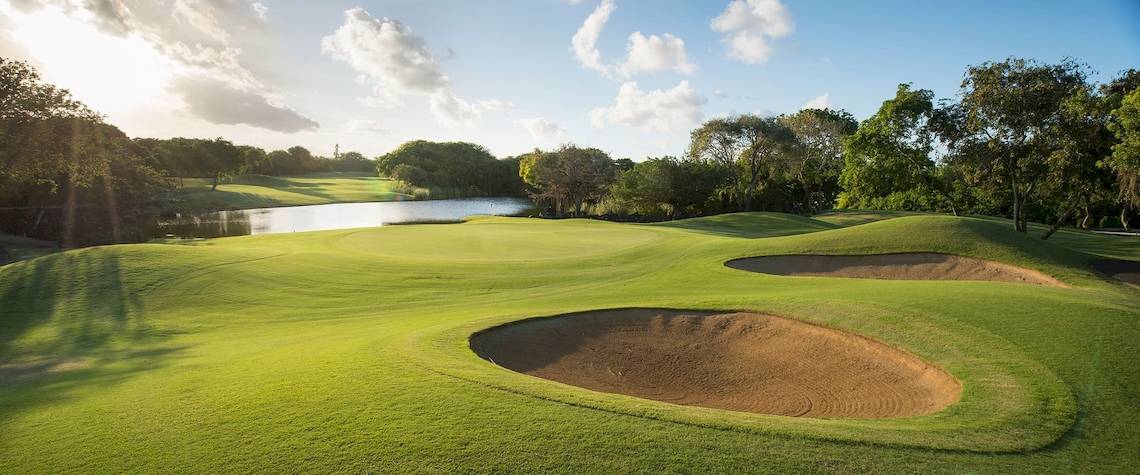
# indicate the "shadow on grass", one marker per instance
pixel 750 225
pixel 70 304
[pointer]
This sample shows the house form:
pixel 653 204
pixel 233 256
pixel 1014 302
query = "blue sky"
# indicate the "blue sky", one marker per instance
pixel 275 74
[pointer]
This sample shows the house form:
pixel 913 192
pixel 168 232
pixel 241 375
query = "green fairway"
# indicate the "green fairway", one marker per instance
pixel 347 351
pixel 260 191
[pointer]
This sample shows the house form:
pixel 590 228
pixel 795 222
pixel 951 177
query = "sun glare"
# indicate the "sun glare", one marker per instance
pixel 112 74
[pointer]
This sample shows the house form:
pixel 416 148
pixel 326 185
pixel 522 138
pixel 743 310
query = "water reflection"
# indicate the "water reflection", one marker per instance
pixel 332 216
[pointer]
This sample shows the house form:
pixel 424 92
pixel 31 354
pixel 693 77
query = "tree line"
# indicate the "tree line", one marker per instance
pixel 67 175
pixel 1021 139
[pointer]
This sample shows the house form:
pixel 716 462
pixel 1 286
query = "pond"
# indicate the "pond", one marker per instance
pixel 332 216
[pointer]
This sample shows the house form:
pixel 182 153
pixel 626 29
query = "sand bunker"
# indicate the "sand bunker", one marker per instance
pixel 903 266
pixel 1125 271
pixel 740 361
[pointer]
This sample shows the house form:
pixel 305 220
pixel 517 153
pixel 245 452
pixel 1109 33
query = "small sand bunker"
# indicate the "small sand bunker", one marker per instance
pixel 740 361
pixel 903 266
pixel 1125 271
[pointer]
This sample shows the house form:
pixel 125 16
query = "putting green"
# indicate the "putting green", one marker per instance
pixel 349 351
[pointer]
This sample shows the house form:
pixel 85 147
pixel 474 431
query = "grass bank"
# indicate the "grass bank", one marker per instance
pixel 347 351
pixel 260 191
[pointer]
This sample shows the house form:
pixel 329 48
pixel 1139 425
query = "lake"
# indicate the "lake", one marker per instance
pixel 332 216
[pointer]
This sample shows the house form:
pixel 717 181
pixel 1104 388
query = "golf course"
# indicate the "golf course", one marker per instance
pixel 260 191
pixel 382 349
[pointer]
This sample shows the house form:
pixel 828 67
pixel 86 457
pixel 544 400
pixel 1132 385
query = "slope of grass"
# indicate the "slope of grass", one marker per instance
pixel 260 191
pixel 751 225
pixel 347 351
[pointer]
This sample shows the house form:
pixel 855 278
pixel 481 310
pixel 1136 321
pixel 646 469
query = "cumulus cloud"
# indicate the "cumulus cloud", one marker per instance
pixel 660 110
pixel 194 35
pixel 643 53
pixel 541 129
pixel 364 127
pixel 749 26
pixel 584 43
pixel 221 103
pixel 260 10
pixel 821 102
pixel 655 53
pixel 394 61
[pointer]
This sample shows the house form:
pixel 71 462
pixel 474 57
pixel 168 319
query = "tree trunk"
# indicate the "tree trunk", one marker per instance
pixel 1124 218
pixel 214 187
pixel 1060 219
pixel 1085 220
pixel 1017 209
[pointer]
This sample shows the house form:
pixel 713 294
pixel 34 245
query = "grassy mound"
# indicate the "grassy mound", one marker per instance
pixel 259 191
pixel 751 225
pixel 348 351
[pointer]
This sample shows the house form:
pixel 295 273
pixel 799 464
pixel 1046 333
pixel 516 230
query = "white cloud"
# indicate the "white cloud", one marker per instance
pixel 821 102
pixel 222 103
pixel 720 94
pixel 655 53
pixel 395 62
pixel 749 25
pixel 541 129
pixel 495 105
pixel 644 53
pixel 261 11
pixel 451 111
pixel 385 53
pixel 364 127
pixel 660 110
pixel 200 58
pixel 585 40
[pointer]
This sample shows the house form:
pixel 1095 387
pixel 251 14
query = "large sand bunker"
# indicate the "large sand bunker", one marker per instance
pixel 1125 271
pixel 902 266
pixel 739 361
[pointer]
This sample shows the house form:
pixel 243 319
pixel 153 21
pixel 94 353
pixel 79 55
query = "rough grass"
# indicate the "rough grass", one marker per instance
pixel 260 191
pixel 347 351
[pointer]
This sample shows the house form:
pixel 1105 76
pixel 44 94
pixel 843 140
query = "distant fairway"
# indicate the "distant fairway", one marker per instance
pixel 260 191
pixel 349 351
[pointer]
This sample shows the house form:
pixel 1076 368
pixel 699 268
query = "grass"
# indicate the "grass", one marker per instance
pixel 260 191
pixel 19 248
pixel 346 351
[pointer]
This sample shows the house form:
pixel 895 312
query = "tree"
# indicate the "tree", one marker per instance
pixel 24 97
pixel 718 142
pixel 1007 119
pixel 64 173
pixel 890 152
pixel 1125 158
pixel 768 145
pixel 569 177
pixel 819 157
pixel 667 184
pixel 1079 141
pixel 465 168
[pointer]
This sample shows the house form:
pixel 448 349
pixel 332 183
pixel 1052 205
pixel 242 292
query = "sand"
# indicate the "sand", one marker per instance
pixel 903 266
pixel 740 361
pixel 1125 271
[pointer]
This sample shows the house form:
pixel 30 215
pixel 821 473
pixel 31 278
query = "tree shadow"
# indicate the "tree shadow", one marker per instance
pixel 750 225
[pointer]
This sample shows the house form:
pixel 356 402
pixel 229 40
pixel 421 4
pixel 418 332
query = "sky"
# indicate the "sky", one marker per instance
pixel 629 77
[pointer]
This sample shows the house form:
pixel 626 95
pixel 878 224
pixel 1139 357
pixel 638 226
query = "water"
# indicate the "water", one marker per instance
pixel 332 216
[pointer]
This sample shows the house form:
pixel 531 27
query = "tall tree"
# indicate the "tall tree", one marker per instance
pixel 718 142
pixel 569 177
pixel 1125 158
pixel 768 148
pixel 891 151
pixel 679 187
pixel 1078 142
pixel 1007 118
pixel 819 158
